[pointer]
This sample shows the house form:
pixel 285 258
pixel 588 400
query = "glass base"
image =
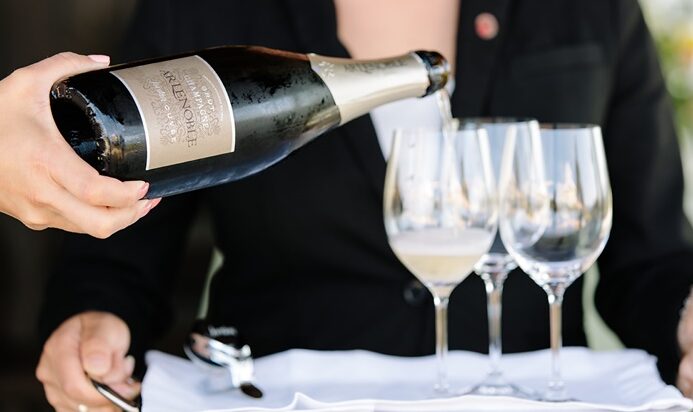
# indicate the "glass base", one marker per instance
pixel 556 393
pixel 496 385
pixel 440 392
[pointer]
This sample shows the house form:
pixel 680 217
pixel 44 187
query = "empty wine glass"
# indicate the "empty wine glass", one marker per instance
pixel 555 215
pixel 494 266
pixel 440 213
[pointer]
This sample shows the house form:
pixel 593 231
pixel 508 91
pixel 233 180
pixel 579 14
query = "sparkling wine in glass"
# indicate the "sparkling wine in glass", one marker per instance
pixel 440 212
pixel 494 266
pixel 555 215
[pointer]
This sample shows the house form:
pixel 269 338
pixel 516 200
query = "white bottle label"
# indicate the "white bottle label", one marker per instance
pixel 185 110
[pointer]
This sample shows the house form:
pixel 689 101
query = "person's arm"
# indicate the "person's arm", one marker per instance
pixel 647 266
pixel 108 298
pixel 43 183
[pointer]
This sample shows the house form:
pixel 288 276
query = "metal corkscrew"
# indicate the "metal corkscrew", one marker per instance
pixel 221 349
pixel 126 405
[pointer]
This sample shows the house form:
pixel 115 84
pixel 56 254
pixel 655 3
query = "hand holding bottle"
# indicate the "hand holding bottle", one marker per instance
pixel 43 183
pixel 93 344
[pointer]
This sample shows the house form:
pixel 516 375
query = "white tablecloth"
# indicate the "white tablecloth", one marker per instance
pixel 625 380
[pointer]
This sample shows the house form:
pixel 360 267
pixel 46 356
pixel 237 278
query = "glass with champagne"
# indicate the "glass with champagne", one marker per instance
pixel 440 212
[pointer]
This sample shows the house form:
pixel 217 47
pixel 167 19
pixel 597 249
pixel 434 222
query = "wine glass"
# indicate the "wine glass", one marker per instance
pixel 494 266
pixel 440 212
pixel 555 215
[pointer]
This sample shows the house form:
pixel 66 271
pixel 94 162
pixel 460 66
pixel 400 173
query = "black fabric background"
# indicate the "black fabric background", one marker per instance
pixel 307 260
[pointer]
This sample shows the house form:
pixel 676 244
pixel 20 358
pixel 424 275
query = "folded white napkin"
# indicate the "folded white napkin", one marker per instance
pixel 356 381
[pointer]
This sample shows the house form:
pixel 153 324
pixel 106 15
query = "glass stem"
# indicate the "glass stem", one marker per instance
pixel 556 390
pixel 494 295
pixel 441 307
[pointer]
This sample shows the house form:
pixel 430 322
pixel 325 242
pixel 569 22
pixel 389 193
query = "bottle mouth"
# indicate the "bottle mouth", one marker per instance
pixel 438 70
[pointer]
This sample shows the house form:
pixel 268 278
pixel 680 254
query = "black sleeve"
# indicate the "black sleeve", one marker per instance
pixel 647 266
pixel 129 274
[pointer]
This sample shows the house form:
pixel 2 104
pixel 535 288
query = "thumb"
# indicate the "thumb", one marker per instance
pixel 67 64
pixel 104 338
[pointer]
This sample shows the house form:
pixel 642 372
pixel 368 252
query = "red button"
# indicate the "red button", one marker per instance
pixel 486 26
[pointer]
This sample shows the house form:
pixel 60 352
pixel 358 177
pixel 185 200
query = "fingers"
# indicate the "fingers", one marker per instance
pixel 104 338
pixel 60 368
pixel 100 222
pixel 83 182
pixel 60 402
pixel 119 378
pixel 93 341
pixel 65 64
pixel 120 372
pixel 81 200
pixel 94 204
pixel 68 377
pixel 104 341
pixel 129 390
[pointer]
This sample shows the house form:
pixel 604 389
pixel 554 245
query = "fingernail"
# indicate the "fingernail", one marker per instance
pixel 143 190
pixel 100 58
pixel 129 365
pixel 148 206
pixel 154 203
pixel 144 209
pixel 96 364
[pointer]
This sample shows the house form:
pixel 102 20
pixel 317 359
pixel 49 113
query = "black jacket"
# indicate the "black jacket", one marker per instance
pixel 307 259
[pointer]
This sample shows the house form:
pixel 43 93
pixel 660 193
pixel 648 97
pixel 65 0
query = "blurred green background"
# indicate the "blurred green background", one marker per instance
pixel 671 22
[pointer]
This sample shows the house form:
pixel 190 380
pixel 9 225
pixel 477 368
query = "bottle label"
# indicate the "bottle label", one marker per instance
pixel 185 110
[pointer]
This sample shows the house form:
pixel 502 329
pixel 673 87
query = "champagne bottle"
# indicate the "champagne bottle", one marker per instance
pixel 200 119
